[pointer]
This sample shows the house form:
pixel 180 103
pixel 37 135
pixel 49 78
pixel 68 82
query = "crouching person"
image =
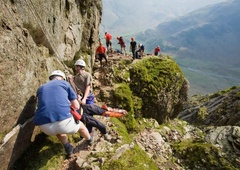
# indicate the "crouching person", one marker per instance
pixel 53 113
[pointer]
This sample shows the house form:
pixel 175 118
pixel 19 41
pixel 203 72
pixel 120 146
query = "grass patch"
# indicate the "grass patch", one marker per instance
pixel 199 155
pixel 134 158
pixel 45 153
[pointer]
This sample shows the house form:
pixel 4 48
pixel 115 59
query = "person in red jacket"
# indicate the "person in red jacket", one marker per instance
pixel 101 52
pixel 108 38
pixel 122 45
pixel 157 50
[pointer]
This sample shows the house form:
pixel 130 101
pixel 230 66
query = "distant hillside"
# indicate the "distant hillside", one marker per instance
pixel 128 17
pixel 205 43
pixel 211 33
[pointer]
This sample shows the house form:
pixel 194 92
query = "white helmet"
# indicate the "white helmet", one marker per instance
pixel 57 73
pixel 80 63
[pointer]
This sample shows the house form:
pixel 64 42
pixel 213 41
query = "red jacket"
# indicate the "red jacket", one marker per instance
pixel 108 37
pixel 157 49
pixel 101 50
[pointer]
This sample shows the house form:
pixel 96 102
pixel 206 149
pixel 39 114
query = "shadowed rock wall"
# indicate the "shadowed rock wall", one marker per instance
pixel 36 37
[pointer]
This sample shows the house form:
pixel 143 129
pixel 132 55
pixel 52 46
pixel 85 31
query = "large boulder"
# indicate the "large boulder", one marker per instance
pixel 160 84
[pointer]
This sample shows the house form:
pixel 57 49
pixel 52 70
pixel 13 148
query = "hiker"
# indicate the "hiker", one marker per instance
pixel 133 46
pixel 157 50
pixel 140 51
pixel 122 45
pixel 83 83
pixel 53 113
pixel 108 38
pixel 101 52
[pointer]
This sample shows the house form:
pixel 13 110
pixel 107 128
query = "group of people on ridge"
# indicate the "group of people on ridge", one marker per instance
pixel 136 50
pixel 53 115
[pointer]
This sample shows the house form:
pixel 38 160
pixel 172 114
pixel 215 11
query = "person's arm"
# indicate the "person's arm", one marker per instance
pixel 86 93
pixel 75 104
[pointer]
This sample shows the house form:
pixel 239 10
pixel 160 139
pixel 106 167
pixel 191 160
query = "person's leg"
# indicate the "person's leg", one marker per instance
pixel 93 122
pixel 105 57
pixel 110 44
pixel 100 59
pixel 63 138
pixel 136 54
pixel 84 132
pixel 68 147
pixel 107 44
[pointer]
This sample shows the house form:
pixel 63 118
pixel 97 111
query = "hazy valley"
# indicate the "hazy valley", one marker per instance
pixel 205 42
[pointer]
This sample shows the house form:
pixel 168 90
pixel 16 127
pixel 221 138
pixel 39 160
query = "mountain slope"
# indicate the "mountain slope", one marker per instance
pixel 128 17
pixel 205 43
pixel 212 33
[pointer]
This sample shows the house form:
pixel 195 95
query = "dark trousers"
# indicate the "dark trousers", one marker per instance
pixel 133 53
pixel 101 56
pixel 91 122
pixel 87 118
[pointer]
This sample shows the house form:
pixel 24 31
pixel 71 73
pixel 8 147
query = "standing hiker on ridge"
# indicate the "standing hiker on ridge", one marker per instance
pixel 53 113
pixel 157 50
pixel 101 52
pixel 122 45
pixel 133 46
pixel 108 38
pixel 140 51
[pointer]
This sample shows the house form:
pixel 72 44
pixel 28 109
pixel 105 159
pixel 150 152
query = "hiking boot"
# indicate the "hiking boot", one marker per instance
pixel 80 138
pixel 69 150
pixel 107 137
pixel 91 141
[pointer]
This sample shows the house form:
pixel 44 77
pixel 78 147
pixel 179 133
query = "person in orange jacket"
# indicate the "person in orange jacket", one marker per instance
pixel 108 38
pixel 101 52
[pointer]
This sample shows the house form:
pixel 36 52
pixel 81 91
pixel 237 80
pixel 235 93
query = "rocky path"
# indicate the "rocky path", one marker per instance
pixel 82 149
pixel 81 159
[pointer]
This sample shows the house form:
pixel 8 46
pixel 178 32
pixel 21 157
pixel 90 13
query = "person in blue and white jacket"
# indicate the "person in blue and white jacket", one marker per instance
pixel 53 113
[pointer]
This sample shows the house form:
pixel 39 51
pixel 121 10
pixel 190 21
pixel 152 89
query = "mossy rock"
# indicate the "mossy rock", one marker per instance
pixel 159 83
pixel 123 99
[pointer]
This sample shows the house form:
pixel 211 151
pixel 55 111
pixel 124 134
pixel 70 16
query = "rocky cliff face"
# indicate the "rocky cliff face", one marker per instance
pixel 37 37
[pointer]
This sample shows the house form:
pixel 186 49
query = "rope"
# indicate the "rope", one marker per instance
pixel 44 30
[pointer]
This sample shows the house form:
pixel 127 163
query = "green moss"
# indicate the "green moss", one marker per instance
pixel 221 92
pixel 123 96
pixel 199 155
pixel 151 79
pixel 202 114
pixel 2 135
pixel 132 159
pixel 123 99
pixel 137 102
pixel 48 149
pixel 237 95
pixel 121 129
